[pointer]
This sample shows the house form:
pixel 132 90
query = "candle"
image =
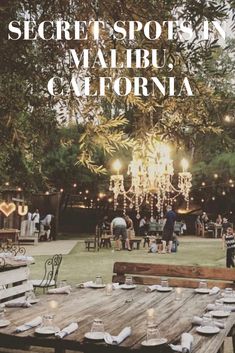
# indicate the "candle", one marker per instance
pixel 109 289
pixel 178 293
pixel 184 164
pixel 151 315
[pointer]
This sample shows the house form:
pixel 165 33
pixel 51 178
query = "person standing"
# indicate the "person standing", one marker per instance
pixel 229 241
pixel 168 230
pixel 36 219
pixel 129 227
pixel 119 231
pixel 143 226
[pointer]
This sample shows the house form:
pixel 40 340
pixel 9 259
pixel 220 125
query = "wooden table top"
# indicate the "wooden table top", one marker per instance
pixel 117 311
pixel 9 230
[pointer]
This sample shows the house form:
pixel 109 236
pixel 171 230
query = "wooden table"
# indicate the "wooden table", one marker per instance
pixel 117 312
pixel 9 234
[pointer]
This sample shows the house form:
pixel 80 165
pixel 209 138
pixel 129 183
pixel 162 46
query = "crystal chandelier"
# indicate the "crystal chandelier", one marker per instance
pixel 151 175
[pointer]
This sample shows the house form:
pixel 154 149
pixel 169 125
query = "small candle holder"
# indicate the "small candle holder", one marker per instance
pixel 178 293
pixel 109 289
pixel 151 316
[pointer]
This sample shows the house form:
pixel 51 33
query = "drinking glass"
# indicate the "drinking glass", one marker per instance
pixel 207 320
pixel 128 281
pixel 109 289
pixel 30 295
pixel 228 292
pixel 97 326
pixel 48 321
pixel 203 284
pixel 98 280
pixel 2 314
pixel 152 333
pixel 164 282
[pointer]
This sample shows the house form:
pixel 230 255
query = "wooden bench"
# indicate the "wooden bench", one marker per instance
pixel 15 282
pixel 30 238
pixel 180 276
pixel 135 243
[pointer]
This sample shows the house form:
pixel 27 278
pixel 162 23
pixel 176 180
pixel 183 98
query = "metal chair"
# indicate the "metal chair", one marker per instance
pixel 12 248
pixel 49 279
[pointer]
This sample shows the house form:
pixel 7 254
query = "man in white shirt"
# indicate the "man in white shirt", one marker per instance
pixel 36 219
pixel 119 230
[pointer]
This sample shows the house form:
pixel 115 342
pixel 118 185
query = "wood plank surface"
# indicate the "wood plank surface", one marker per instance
pixel 144 269
pixel 122 308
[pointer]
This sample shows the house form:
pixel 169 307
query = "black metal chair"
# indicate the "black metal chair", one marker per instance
pixel 13 249
pixel 49 279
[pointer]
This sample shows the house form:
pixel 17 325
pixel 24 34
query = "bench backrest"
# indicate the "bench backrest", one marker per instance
pixel 14 283
pixel 182 276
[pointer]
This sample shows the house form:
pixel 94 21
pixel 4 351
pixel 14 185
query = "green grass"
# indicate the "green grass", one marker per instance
pixel 81 265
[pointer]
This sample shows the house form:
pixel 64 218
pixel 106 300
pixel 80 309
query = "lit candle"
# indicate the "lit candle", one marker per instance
pixel 151 315
pixel 117 166
pixel 184 164
pixel 178 293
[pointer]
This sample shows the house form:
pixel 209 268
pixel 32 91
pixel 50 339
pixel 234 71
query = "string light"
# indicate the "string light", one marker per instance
pixel 230 181
pixel 215 176
pixel 191 198
pixel 19 189
pixel 213 198
pixel 202 200
pixel 61 190
pixel 47 192
pixel 87 191
pixel 223 193
pixel 7 183
pixel 74 185
pixel 203 183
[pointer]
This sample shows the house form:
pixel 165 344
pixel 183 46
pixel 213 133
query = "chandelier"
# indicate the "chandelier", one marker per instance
pixel 150 175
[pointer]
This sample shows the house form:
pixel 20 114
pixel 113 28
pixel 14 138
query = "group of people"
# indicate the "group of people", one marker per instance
pixel 203 223
pixel 34 223
pixel 122 230
pixel 226 232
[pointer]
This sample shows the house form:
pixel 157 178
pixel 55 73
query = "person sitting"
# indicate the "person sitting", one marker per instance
pixel 153 248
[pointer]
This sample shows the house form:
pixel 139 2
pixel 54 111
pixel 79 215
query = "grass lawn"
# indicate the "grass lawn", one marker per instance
pixel 80 265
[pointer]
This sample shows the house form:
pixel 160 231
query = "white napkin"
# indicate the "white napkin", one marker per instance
pixel 22 304
pixel 24 258
pixel 28 325
pixel 217 307
pixel 198 320
pixel 67 330
pixel 150 289
pixel 117 339
pixel 214 290
pixel 85 284
pixel 116 286
pixel 186 342
pixel 60 290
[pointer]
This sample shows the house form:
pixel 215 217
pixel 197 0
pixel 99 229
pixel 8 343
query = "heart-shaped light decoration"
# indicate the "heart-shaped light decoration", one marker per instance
pixel 7 208
pixel 22 210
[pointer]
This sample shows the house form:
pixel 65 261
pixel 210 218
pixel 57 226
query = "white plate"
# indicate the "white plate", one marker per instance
pixel 95 335
pixel 46 330
pixel 202 290
pixel 229 300
pixel 208 330
pixel 4 323
pixel 164 289
pixel 128 286
pixel 154 342
pixel 220 313
pixel 96 286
